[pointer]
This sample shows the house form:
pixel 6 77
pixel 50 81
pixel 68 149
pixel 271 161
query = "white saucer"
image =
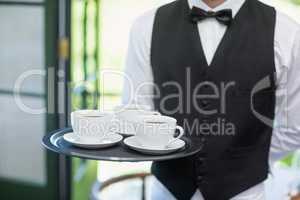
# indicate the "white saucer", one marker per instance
pixel 124 133
pixel 132 143
pixel 91 143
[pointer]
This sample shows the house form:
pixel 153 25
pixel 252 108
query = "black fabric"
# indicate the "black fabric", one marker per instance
pixel 229 164
pixel 223 16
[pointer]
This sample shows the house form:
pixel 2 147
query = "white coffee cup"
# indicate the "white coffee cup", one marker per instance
pixel 157 131
pixel 91 123
pixel 127 115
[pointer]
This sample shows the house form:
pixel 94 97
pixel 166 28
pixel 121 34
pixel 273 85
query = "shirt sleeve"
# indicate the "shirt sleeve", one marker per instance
pixel 286 133
pixel 138 78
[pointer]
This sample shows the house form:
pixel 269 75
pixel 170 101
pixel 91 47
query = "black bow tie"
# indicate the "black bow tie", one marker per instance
pixel 223 16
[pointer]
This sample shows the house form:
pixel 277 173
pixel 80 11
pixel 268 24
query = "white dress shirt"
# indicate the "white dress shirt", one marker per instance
pixel 286 132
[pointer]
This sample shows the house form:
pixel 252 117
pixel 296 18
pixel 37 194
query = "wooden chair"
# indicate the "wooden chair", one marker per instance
pixel 100 187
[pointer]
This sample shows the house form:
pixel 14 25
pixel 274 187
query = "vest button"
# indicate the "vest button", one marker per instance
pixel 200 179
pixel 201 161
pixel 204 103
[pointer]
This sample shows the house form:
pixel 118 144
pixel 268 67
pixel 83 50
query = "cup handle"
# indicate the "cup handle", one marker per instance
pixel 181 133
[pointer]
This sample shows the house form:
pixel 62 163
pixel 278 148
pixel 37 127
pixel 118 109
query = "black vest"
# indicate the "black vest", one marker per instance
pixel 240 89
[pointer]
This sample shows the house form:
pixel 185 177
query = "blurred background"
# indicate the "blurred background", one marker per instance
pixel 51 55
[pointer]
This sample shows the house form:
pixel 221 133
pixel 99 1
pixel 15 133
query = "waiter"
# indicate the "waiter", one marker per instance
pixel 228 71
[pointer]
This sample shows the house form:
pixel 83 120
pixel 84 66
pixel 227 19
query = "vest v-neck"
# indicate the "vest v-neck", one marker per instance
pixel 223 44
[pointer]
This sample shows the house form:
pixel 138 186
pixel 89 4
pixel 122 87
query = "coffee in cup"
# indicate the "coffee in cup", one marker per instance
pixel 91 123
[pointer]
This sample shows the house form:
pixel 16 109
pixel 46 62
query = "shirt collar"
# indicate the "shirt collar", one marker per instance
pixel 235 5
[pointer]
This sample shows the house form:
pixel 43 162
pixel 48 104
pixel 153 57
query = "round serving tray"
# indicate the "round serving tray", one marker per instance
pixel 121 153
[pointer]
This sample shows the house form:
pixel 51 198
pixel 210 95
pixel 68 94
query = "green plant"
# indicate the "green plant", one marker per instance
pixel 287 161
pixel 296 2
pixel 84 175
